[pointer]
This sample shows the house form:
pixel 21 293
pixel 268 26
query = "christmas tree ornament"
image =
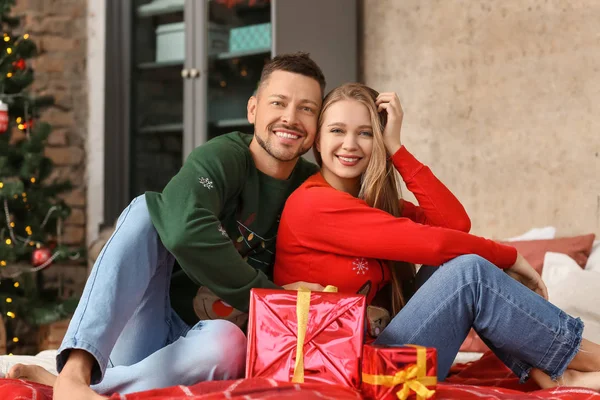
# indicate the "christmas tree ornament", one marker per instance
pixel 41 256
pixel 3 117
pixel 20 64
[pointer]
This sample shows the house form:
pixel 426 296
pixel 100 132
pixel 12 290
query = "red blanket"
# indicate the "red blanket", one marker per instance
pixel 487 378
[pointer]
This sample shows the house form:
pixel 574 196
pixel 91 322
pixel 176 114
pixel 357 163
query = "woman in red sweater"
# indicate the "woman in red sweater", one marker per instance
pixel 346 227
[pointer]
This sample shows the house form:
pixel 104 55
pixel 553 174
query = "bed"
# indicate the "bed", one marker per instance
pixel 565 264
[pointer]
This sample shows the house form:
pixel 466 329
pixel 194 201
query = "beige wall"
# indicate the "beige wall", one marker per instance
pixel 501 99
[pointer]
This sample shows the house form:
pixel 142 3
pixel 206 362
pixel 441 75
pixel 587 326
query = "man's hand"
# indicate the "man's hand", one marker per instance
pixel 523 272
pixel 314 287
pixel 391 135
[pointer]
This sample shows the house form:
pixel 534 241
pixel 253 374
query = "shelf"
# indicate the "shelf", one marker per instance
pixel 220 56
pixel 163 128
pixel 239 54
pixel 160 7
pixel 170 128
pixel 232 123
pixel 160 64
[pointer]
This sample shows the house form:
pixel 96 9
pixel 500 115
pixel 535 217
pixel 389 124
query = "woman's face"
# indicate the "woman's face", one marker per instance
pixel 345 143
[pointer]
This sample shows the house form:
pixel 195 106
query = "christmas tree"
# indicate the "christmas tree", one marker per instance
pixel 31 213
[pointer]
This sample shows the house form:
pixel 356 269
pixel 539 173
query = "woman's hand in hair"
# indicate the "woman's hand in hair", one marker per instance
pixel 390 102
pixel 523 272
pixel 314 287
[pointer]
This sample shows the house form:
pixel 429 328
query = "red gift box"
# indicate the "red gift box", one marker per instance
pixel 397 372
pixel 305 336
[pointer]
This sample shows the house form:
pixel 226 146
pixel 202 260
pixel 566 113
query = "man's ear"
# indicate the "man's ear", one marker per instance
pixel 317 144
pixel 252 109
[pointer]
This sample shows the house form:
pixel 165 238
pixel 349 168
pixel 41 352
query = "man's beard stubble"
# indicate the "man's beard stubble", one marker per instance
pixel 266 145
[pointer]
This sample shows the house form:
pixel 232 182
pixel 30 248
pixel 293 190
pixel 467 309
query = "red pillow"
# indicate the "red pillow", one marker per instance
pixel 576 247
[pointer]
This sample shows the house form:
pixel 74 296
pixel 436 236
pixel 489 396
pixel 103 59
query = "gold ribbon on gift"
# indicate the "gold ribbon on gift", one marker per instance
pixel 412 378
pixel 302 308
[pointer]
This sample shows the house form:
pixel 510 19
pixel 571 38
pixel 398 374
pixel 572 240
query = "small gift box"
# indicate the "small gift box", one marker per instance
pixel 396 372
pixel 305 336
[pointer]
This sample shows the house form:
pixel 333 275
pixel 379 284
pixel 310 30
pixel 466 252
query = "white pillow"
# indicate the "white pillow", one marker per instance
pixel 574 290
pixel 46 359
pixel 593 262
pixel 548 232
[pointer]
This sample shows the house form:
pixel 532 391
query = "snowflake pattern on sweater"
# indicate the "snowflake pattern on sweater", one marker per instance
pixel 361 266
pixel 207 183
pixel 223 231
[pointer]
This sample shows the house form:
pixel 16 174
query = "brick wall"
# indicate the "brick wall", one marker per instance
pixel 59 29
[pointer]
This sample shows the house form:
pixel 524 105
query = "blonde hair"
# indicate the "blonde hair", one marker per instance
pixel 380 182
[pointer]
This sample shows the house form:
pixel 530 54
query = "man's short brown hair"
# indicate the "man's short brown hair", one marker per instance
pixel 298 63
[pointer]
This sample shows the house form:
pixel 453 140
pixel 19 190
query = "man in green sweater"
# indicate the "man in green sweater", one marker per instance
pixel 214 225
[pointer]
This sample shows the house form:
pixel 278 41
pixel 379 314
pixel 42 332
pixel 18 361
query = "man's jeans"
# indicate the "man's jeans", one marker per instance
pixel 125 320
pixel 519 326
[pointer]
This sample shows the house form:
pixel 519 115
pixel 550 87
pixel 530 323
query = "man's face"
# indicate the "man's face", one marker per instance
pixel 284 114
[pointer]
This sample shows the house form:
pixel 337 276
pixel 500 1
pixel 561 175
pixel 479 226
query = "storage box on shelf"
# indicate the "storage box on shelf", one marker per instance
pixel 250 38
pixel 158 7
pixel 170 41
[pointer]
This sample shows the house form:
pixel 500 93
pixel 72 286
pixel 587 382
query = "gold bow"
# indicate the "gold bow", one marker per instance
pixel 412 378
pixel 302 308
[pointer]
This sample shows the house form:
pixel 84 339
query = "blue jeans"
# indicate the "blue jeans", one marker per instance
pixel 125 320
pixel 519 326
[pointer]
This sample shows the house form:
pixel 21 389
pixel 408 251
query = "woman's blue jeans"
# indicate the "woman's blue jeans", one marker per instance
pixel 519 326
pixel 125 320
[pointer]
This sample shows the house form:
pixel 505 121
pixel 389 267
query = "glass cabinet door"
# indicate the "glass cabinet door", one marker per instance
pixel 195 64
pixel 157 93
pixel 180 72
pixel 237 45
